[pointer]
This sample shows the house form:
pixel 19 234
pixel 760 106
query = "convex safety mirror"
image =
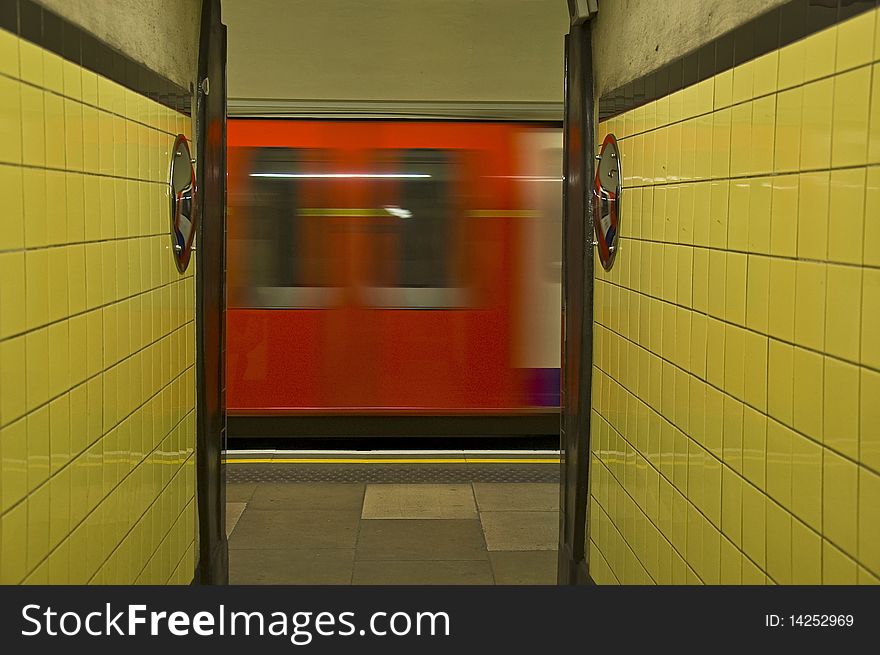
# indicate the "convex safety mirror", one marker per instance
pixel 182 183
pixel 607 190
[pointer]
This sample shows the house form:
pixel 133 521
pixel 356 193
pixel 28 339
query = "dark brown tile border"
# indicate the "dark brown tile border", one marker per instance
pixel 765 33
pixel 46 29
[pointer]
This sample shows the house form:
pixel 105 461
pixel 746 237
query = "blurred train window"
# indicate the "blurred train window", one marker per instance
pixel 275 248
pixel 414 235
pixel 419 205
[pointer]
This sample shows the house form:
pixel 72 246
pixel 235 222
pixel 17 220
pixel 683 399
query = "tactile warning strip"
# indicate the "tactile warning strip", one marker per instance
pixel 391 473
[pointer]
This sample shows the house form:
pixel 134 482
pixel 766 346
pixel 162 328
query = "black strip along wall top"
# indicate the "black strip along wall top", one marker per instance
pixel 790 22
pixel 46 29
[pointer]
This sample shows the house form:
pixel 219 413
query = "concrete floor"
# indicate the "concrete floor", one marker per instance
pixel 347 533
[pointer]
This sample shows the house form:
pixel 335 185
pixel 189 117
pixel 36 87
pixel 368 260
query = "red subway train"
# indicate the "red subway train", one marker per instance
pixel 393 268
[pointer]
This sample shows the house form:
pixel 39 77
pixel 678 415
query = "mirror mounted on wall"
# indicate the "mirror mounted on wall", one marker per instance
pixel 182 187
pixel 607 190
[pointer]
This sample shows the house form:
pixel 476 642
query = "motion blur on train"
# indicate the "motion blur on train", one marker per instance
pixel 393 268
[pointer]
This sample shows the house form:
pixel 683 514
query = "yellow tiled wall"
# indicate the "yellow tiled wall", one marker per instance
pixel 97 424
pixel 736 374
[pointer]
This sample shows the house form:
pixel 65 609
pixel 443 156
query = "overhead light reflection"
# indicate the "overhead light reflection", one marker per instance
pixel 394 176
pixel 528 178
pixel 394 210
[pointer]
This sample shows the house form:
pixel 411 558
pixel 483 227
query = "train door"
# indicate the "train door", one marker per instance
pixel 412 287
pixel 349 347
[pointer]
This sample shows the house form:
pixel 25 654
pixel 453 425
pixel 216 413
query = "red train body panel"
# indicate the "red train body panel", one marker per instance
pixel 373 269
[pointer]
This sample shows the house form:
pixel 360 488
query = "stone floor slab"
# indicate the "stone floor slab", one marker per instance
pixel 240 492
pixel 233 513
pixel 513 496
pixel 419 501
pixel 460 572
pixel 263 528
pixel 276 566
pixel 420 539
pixel 528 567
pixel 521 530
pixel 308 496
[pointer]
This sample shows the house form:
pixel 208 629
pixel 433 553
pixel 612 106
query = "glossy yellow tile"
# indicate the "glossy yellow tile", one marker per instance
pixel 36 288
pixel 847 203
pixel 731 563
pixel 30 62
pixel 59 358
pixel 810 304
pixel 806 480
pixel 10 120
pixel 816 124
pixel 808 393
pixel 841 409
pixel 780 381
pixel 754 446
pixel 813 215
pixel 791 65
pixel 53 106
pixel 781 312
pixel 869 519
pixel 779 544
pixel 700 285
pixel 733 429
pixel 755 370
pixel 13 541
pixel 762 135
pixel 843 303
pixel 849 134
pixel 735 288
pixel 867 578
pixel 9 54
pixel 779 463
pixel 870 306
pixel 738 216
pixel 787 139
pixel 840 501
pixel 871 247
pixel 784 216
pixel 33 126
pixel 806 556
pixel 869 418
pixel 717 283
pixel 72 80
pixel 721 140
pixel 855 39
pixel 13 464
pixel 837 567
pixel 38 447
pixel 715 333
pixel 35 216
pixel 13 402
pixel 754 521
pixel 12 293
pixel 53 75
pixel 821 50
pixel 760 192
pixel 758 293
pixel 73 135
pixel 741 135
pixel 874 119
pixel 766 69
pixel 743 82
pixel 57 273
